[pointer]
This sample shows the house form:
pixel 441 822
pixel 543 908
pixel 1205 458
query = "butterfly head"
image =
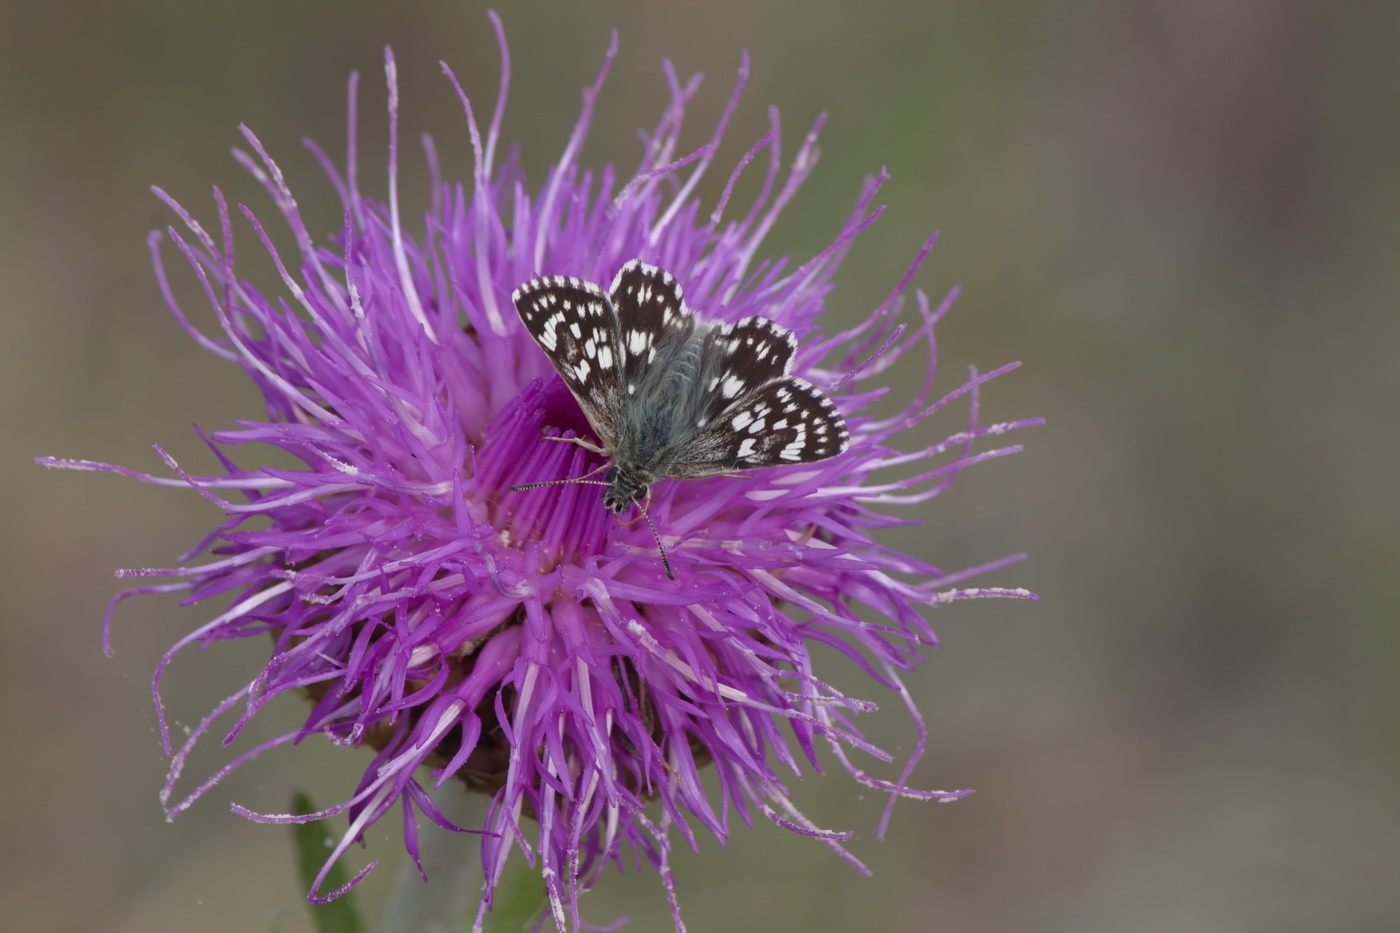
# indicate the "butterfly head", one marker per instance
pixel 625 487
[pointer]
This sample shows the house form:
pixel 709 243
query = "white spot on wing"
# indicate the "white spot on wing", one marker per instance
pixel 794 449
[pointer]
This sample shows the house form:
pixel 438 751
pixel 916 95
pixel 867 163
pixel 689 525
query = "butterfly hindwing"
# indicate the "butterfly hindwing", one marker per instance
pixel 784 422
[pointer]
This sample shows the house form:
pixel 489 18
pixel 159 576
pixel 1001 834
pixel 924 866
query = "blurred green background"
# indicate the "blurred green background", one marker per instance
pixel 1183 218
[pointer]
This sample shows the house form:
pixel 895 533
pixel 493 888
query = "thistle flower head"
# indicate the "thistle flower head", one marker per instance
pixel 527 643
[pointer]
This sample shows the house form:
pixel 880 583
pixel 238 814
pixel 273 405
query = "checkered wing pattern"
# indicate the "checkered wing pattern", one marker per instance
pixel 671 396
pixel 784 422
pixel 653 322
pixel 575 325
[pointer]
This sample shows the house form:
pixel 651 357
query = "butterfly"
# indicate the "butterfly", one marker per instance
pixel 671 396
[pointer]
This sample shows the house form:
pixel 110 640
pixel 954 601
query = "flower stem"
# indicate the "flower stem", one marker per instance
pixel 443 903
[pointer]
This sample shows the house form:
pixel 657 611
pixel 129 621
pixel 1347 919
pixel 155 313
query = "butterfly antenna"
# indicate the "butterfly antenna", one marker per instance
pixel 665 561
pixel 559 482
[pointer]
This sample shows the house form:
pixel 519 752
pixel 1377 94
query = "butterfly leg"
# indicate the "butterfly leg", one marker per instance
pixel 586 445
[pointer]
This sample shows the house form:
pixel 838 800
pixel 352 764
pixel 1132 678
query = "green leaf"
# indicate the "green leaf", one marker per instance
pixel 520 899
pixel 313 844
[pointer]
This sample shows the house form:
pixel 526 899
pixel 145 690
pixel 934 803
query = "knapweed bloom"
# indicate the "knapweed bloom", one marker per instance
pixel 527 643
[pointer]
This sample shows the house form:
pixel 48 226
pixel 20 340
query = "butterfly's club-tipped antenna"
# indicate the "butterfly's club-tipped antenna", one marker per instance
pixel 665 561
pixel 562 482
pixel 642 511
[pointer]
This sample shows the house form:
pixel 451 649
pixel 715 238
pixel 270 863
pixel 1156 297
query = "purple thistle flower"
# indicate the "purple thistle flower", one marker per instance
pixel 527 643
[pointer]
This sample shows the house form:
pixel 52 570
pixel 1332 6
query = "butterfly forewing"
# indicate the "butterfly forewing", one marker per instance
pixel 740 358
pixel 653 321
pixel 576 326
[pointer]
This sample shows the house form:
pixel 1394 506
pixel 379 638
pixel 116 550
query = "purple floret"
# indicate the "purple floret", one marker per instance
pixel 527 643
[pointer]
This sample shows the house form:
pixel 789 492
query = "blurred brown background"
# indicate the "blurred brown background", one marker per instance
pixel 1182 216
